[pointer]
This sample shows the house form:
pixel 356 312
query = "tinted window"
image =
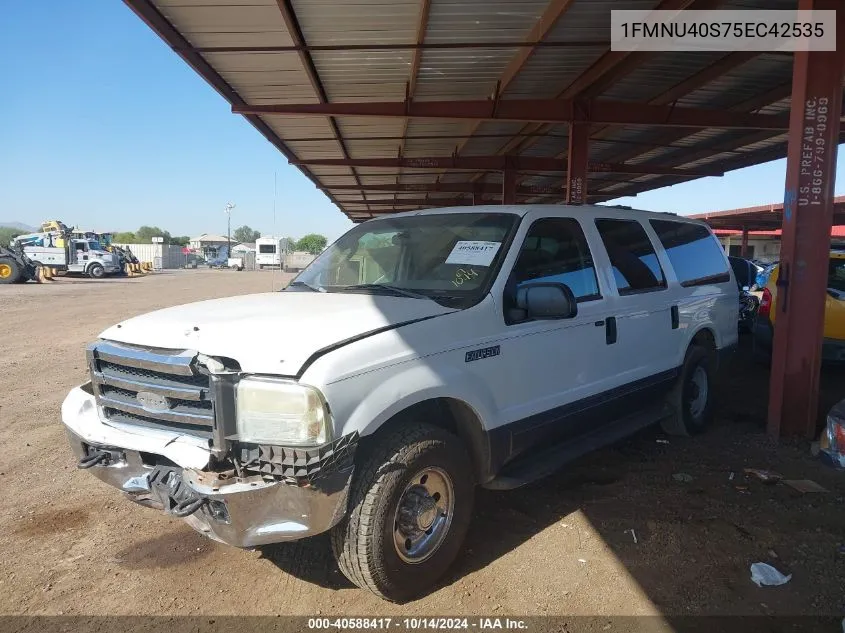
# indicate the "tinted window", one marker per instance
pixel 556 250
pixel 267 248
pixel 836 274
pixel 694 253
pixel 635 265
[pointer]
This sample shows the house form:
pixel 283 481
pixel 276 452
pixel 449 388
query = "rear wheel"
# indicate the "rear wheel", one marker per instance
pixel 409 509
pixel 692 396
pixel 96 271
pixel 10 270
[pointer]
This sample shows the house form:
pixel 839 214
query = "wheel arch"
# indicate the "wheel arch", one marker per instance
pixel 453 415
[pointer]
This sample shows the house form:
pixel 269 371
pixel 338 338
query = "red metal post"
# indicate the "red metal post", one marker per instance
pixel 807 219
pixel 743 249
pixel 576 172
pixel 509 186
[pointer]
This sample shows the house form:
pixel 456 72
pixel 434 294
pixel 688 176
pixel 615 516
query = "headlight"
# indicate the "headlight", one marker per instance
pixel 281 412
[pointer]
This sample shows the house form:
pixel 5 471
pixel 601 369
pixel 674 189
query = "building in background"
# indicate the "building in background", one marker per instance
pixel 764 246
pixel 208 244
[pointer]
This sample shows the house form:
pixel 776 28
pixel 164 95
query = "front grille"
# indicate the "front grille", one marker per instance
pixel 175 396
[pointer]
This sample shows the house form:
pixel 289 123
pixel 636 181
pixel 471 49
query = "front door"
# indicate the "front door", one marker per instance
pixel 557 366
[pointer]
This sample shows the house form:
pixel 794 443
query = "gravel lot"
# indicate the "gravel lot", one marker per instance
pixel 613 534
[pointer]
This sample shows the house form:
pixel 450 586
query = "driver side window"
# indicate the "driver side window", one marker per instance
pixel 554 250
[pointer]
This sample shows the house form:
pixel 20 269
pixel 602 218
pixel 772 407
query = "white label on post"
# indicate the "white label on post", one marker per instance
pixel 473 252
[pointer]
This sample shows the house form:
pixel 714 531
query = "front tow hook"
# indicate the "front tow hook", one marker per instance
pixel 175 496
pixel 93 458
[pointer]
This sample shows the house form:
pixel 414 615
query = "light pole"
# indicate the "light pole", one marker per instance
pixel 228 211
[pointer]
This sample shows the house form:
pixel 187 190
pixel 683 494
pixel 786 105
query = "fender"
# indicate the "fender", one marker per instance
pixel 390 392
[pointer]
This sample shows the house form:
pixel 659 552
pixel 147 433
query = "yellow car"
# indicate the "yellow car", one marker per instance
pixel 833 346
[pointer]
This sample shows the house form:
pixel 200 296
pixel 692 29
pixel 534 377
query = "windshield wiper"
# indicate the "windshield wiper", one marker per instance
pixel 394 289
pixel 304 284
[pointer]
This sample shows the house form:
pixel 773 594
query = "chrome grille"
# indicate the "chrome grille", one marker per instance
pixel 169 379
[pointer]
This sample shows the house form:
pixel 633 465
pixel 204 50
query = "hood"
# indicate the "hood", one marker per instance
pixel 271 333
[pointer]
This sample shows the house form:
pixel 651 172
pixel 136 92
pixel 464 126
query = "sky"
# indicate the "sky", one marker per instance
pixel 103 126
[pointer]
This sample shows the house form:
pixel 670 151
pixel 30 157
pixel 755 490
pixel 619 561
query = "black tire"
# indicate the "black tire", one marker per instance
pixel 691 416
pixel 11 270
pixel 364 542
pixel 96 271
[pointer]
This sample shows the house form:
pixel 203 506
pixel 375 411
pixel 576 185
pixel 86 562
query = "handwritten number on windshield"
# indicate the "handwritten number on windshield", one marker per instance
pixel 462 275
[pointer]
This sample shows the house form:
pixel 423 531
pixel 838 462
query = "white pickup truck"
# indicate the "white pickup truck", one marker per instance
pixel 421 355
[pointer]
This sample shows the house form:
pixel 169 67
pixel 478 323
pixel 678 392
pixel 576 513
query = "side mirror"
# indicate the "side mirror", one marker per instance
pixel 547 300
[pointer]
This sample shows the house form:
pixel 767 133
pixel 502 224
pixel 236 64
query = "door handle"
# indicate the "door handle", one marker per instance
pixel 676 318
pixel 610 330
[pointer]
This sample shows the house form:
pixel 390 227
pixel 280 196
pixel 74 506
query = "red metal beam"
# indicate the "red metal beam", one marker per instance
pixel 550 17
pixel 453 187
pixel 610 67
pixel 577 164
pixel 296 35
pixel 509 186
pixel 539 110
pixel 422 26
pixel 383 46
pixel 500 163
pixel 157 23
pixel 807 220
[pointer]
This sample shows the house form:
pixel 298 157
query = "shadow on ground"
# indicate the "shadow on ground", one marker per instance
pixel 695 539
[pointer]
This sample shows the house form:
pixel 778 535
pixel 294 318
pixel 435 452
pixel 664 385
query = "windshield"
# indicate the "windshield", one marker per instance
pixel 450 258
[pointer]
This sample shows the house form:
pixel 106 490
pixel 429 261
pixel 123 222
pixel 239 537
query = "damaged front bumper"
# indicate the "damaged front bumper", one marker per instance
pixel 167 470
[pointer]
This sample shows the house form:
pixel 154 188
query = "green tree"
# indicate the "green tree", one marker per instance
pixel 288 243
pixel 145 234
pixel 180 240
pixel 312 243
pixel 245 234
pixel 7 234
pixel 124 237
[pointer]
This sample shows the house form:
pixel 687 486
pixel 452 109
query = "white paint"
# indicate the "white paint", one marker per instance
pixel 541 365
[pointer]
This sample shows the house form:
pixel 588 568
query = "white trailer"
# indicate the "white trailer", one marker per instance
pixel 268 252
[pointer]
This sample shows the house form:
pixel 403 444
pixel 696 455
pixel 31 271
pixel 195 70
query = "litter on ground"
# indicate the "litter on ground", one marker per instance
pixel 764 575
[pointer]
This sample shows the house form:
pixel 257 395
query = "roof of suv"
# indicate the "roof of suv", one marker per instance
pixel 590 210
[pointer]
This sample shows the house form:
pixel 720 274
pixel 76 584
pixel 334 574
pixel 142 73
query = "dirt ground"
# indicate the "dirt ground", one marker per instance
pixel 613 534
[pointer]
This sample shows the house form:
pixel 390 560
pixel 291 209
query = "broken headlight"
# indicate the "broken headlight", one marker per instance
pixel 281 412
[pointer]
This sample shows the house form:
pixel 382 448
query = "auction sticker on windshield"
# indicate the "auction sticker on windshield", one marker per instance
pixel 473 252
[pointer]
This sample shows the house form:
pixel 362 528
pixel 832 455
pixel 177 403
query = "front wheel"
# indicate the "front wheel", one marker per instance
pixel 96 271
pixel 409 509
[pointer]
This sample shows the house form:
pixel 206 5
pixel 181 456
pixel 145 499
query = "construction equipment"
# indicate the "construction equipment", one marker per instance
pixel 55 247
pixel 16 267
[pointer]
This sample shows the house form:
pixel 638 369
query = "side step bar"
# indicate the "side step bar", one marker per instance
pixel 537 465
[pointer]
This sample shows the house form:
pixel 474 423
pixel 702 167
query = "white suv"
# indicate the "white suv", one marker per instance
pixel 420 355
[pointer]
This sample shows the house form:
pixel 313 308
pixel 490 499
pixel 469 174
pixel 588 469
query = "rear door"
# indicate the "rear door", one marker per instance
pixel 644 320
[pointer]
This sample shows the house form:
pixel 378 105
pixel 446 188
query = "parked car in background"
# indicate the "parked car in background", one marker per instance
pixel 833 345
pixel 421 355
pixel 745 273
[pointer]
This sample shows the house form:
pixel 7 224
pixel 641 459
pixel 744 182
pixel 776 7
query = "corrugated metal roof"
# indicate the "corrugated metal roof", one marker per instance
pixel 265 52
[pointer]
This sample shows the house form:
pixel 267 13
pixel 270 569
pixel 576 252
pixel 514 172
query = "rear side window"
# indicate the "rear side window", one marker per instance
pixel 694 253
pixel 635 265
